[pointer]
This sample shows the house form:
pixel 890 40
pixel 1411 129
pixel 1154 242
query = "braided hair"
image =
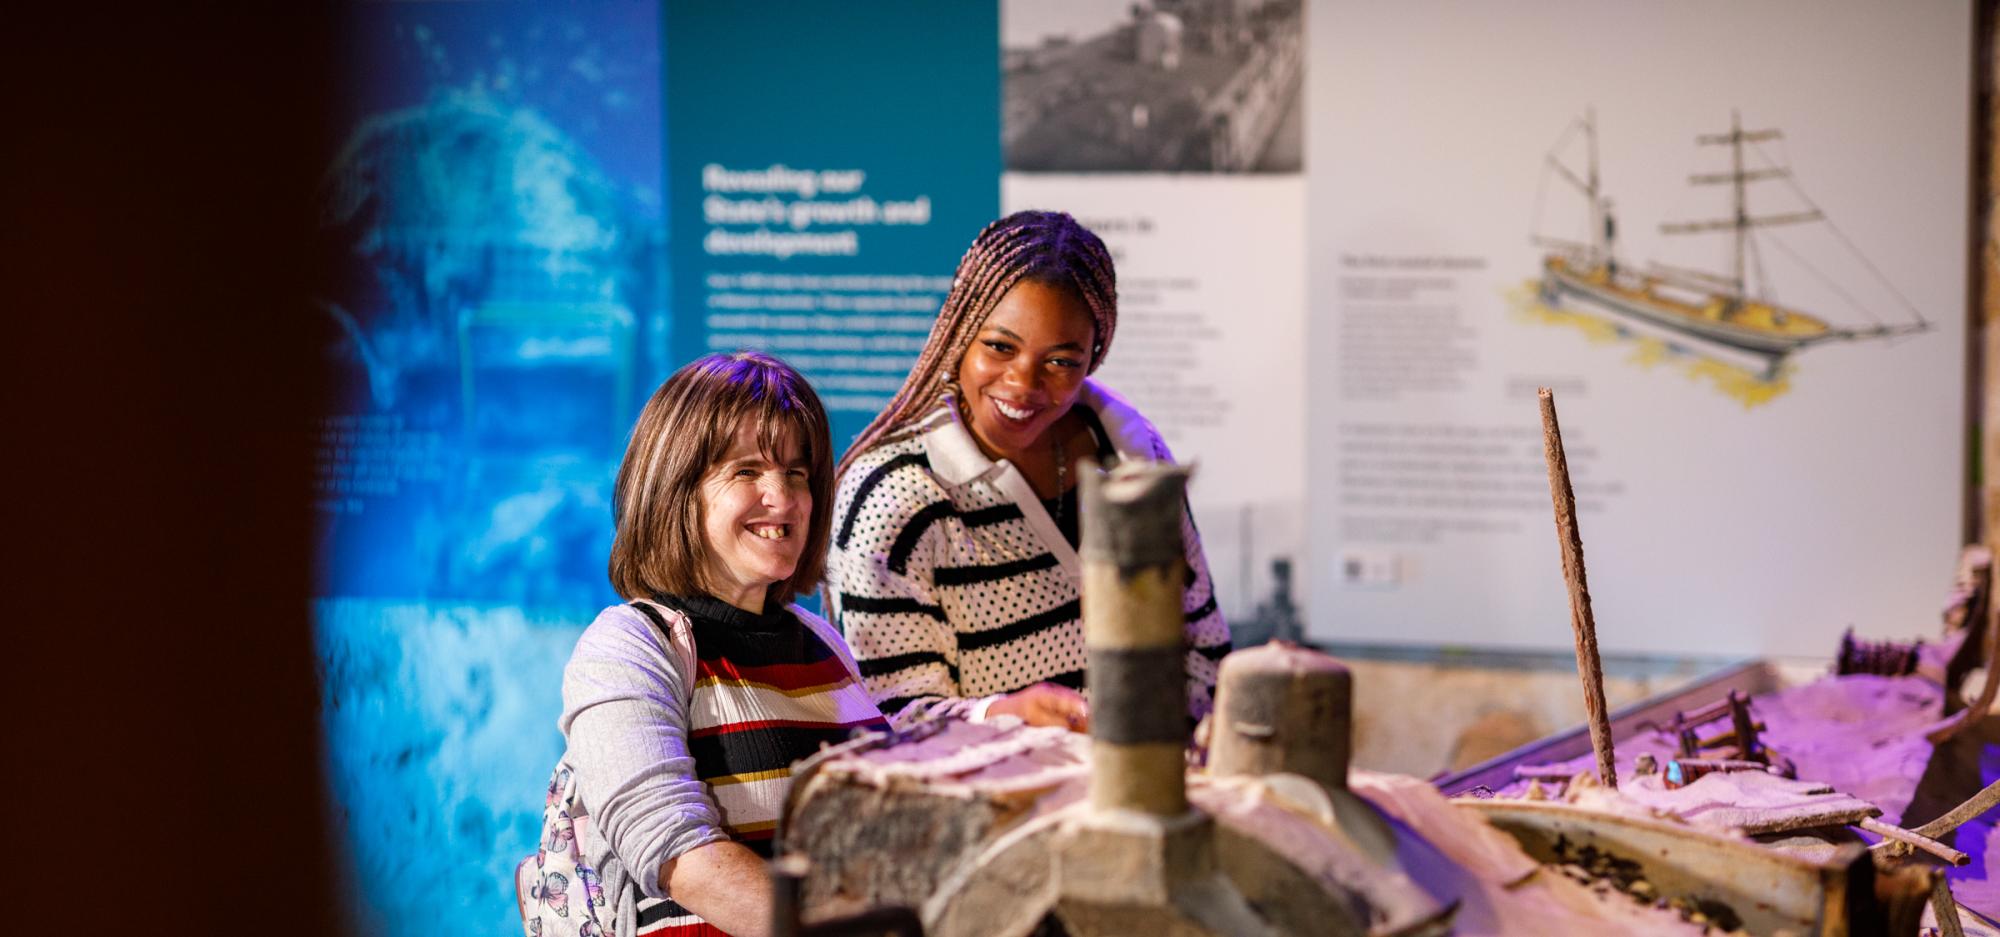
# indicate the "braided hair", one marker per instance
pixel 1047 247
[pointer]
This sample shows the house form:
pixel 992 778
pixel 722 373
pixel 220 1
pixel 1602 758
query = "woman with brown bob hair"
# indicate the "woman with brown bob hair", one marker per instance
pixel 689 425
pixel 953 568
pixel 684 708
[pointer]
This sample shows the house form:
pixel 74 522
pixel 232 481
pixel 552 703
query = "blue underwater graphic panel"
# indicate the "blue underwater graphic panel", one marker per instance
pixel 495 216
pixel 831 162
pixel 498 211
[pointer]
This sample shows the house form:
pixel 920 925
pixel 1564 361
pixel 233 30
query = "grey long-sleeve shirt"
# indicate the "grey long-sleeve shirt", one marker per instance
pixel 625 714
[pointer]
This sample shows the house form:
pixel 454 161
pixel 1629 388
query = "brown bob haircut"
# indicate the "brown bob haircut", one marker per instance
pixel 685 429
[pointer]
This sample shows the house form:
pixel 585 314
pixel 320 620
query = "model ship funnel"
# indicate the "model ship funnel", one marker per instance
pixel 1133 627
pixel 1282 709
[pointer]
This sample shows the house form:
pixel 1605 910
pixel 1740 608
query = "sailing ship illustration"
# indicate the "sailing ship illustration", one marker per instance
pixel 1719 311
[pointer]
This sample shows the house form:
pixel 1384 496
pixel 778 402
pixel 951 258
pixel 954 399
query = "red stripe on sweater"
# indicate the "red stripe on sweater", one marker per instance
pixel 699 928
pixel 784 676
pixel 727 727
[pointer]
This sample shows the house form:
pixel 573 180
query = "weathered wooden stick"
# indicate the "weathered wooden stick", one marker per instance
pixel 1552 772
pixel 1709 713
pixel 1588 667
pixel 1944 729
pixel 1721 764
pixel 1134 633
pixel 1912 838
pixel 1946 908
pixel 1720 739
pixel 1977 804
pixel 1972 594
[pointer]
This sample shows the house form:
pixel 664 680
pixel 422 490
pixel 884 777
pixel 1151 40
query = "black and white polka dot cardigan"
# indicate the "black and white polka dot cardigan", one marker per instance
pixel 950 580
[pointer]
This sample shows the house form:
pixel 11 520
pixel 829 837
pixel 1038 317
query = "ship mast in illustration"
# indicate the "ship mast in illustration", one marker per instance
pixel 1720 310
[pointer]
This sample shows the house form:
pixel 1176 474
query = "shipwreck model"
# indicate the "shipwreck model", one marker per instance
pixel 998 829
pixel 1719 310
pixel 1809 773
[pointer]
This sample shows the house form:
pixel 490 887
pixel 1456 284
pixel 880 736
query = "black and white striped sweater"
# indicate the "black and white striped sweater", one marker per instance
pixel 950 579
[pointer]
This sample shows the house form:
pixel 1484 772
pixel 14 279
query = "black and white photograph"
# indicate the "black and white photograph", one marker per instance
pixel 1172 86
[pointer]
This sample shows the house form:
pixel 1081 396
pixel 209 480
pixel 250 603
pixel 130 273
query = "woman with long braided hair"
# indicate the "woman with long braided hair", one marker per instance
pixel 953 568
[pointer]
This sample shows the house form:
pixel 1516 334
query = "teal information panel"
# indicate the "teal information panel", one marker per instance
pixel 830 162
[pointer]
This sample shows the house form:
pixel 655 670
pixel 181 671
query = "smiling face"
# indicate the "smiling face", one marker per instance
pixel 1025 367
pixel 756 510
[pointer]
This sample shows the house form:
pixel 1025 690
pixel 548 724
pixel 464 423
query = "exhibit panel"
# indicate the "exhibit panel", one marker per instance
pixel 1209 336
pixel 1177 133
pixel 821 195
pixel 533 216
pixel 1736 251
pixel 492 220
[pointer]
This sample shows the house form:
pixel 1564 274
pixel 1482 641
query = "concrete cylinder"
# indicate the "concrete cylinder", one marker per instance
pixel 1280 707
pixel 1133 629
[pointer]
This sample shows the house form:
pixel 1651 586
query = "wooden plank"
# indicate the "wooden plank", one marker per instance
pixel 1768 890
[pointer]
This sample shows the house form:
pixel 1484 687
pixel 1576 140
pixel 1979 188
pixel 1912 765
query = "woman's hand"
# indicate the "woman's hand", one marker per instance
pixel 1045 704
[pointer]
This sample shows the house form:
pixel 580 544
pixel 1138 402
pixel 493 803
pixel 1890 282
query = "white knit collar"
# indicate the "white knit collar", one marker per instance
pixel 956 458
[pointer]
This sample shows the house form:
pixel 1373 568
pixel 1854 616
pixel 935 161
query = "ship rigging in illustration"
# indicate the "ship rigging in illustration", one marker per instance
pixel 1732 312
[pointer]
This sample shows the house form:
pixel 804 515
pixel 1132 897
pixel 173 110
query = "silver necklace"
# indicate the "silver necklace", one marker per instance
pixel 1062 477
